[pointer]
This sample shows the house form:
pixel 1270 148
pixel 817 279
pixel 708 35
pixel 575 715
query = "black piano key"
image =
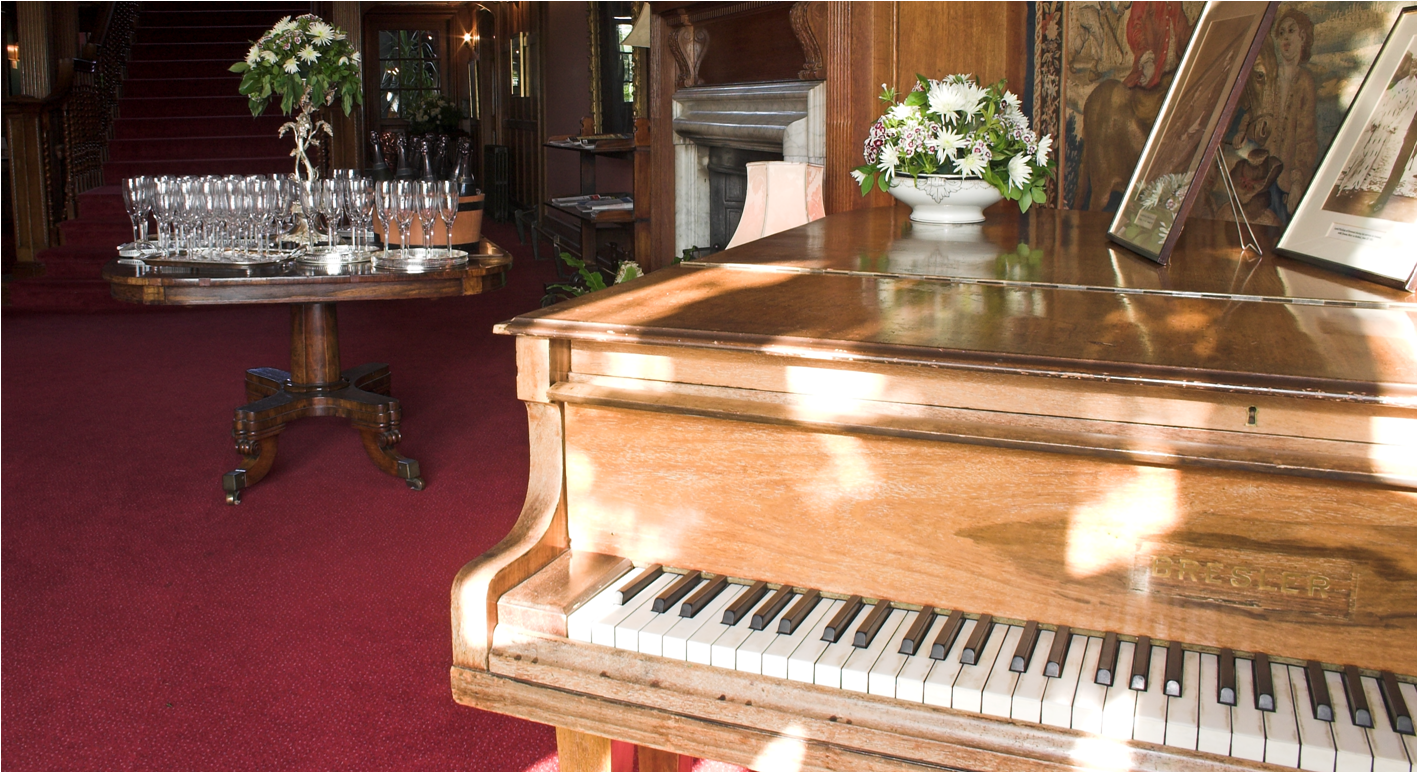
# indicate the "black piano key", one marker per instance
pixel 872 624
pixel 978 639
pixel 642 581
pixel 1141 663
pixel 1399 717
pixel 1319 692
pixel 1172 683
pixel 912 642
pixel 739 609
pixel 676 591
pixel 1264 686
pixel 1107 660
pixel 795 616
pixel 1359 712
pixel 701 598
pixel 1025 651
pixel 838 625
pixel 1226 678
pixel 1058 653
pixel 948 633
pixel 770 608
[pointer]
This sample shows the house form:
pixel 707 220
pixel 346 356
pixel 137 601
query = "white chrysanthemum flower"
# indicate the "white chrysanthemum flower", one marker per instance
pixel 858 175
pixel 355 57
pixel 253 56
pixel 945 100
pixel 889 160
pixel 902 112
pixel 309 54
pixel 1041 157
pixel 1019 172
pixel 1010 99
pixel 970 165
pixel 972 95
pixel 344 60
pixel 947 142
pixel 291 66
pixel 283 25
pixel 321 33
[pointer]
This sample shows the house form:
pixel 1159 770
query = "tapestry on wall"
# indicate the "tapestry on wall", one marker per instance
pixel 1101 71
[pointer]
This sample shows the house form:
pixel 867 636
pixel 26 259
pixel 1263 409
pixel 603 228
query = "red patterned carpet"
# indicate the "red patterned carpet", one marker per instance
pixel 148 625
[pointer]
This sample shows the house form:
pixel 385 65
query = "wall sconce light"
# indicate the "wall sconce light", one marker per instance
pixel 12 54
pixel 468 38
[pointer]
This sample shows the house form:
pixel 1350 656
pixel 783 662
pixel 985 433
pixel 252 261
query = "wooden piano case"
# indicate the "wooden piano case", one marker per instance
pixel 1219 453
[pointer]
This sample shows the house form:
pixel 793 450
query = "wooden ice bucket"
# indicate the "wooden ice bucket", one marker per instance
pixel 467 227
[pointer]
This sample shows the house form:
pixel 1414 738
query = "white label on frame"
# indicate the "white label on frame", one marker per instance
pixel 1355 234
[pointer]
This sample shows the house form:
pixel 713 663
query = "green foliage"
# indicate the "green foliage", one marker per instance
pixel 588 280
pixel 434 114
pixel 301 58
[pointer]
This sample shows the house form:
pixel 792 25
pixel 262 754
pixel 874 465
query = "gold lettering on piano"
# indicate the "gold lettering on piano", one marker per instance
pixel 1270 582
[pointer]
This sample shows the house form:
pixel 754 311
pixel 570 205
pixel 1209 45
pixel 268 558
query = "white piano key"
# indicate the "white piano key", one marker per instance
pixel 1028 700
pixel 1086 711
pixel 700 646
pixel 1056 704
pixel 1410 696
pixel 775 658
pixel 1386 745
pixel 969 691
pixel 1282 736
pixel 651 636
pixel 603 630
pixel 998 692
pixel 749 657
pixel 804 658
pixel 627 631
pixel 1120 702
pixel 1150 720
pixel 1184 711
pixel 578 623
pixel 827 671
pixel 1351 744
pixel 1247 722
pixel 881 680
pixel 856 672
pixel 940 682
pixel 911 680
pixel 1213 717
pixel 675 644
pixel 723 653
pixel 1316 739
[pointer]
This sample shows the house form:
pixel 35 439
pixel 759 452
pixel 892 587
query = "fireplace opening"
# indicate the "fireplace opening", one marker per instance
pixel 728 188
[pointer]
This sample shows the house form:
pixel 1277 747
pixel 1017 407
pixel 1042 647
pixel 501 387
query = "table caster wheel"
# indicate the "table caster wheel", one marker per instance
pixel 415 483
pixel 233 497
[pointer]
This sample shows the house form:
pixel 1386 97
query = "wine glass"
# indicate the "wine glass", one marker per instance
pixel 427 211
pixel 163 207
pixel 135 192
pixel 448 208
pixel 405 205
pixel 328 205
pixel 362 206
pixel 309 193
pixel 384 195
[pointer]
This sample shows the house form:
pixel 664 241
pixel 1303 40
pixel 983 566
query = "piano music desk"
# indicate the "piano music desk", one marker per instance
pixel 1022 421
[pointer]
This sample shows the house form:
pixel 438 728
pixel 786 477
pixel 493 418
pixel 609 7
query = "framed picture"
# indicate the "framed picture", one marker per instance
pixel 1359 214
pixel 1194 114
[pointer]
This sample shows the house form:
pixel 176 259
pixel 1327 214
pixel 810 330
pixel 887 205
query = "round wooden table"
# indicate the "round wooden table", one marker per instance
pixel 315 385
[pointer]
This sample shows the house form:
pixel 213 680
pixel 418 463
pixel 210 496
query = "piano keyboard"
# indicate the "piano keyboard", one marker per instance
pixel 1251 708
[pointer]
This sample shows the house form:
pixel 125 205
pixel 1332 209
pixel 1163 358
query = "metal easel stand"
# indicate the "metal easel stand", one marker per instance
pixel 1237 210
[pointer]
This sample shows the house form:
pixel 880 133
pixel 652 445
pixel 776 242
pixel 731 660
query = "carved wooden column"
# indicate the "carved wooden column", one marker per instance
pixel 347 148
pixel 36 55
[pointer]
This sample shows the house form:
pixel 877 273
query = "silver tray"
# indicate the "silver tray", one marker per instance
pixel 238 258
pixel 419 259
pixel 342 254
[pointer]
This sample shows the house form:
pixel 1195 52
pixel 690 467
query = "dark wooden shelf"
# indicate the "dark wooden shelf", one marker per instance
pixel 614 216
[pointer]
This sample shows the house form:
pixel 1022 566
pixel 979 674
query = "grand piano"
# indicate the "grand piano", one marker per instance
pixel 874 495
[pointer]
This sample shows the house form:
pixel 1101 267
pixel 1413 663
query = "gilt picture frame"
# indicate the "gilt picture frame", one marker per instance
pixel 1360 215
pixel 1194 116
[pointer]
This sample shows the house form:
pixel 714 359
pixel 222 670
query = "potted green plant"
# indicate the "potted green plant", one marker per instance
pixel 307 63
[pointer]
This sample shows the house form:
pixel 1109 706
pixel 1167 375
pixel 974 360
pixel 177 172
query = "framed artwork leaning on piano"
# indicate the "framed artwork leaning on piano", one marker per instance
pixel 1360 214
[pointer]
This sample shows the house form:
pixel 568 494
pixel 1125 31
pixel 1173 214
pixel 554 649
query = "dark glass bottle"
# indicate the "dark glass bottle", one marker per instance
pixel 379 170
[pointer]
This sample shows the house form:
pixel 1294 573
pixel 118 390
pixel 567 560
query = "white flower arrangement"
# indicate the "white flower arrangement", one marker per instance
pixel 434 114
pixel 301 60
pixel 953 126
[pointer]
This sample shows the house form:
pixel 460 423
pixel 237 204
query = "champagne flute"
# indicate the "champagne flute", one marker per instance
pixel 135 192
pixel 309 192
pixel 448 208
pixel 328 205
pixel 427 212
pixel 384 195
pixel 362 204
pixel 405 205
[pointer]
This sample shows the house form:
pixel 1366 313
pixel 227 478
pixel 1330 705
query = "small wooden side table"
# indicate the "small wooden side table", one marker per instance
pixel 315 385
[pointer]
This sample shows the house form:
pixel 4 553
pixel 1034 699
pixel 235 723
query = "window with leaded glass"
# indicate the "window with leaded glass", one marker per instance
pixel 408 70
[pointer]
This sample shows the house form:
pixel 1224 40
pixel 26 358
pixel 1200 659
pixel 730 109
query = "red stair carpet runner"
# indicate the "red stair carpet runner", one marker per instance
pixel 179 113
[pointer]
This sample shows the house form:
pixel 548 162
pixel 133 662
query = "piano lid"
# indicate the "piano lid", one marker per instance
pixel 1070 305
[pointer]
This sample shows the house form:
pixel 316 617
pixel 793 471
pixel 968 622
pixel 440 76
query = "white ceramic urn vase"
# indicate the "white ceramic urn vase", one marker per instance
pixel 939 198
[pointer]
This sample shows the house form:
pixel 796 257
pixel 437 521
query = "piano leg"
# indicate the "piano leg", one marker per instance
pixel 581 751
pixel 647 759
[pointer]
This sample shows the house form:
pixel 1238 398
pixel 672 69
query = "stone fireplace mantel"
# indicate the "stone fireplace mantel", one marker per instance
pixel 785 117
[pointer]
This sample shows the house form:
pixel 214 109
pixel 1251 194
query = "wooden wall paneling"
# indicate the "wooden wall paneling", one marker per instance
pixel 753 44
pixel 347 148
pixel 662 159
pixel 996 41
pixel 859 55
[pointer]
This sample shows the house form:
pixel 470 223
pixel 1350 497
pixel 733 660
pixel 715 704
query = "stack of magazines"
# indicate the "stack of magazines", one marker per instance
pixel 595 202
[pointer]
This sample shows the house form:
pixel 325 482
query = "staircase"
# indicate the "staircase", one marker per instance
pixel 179 114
